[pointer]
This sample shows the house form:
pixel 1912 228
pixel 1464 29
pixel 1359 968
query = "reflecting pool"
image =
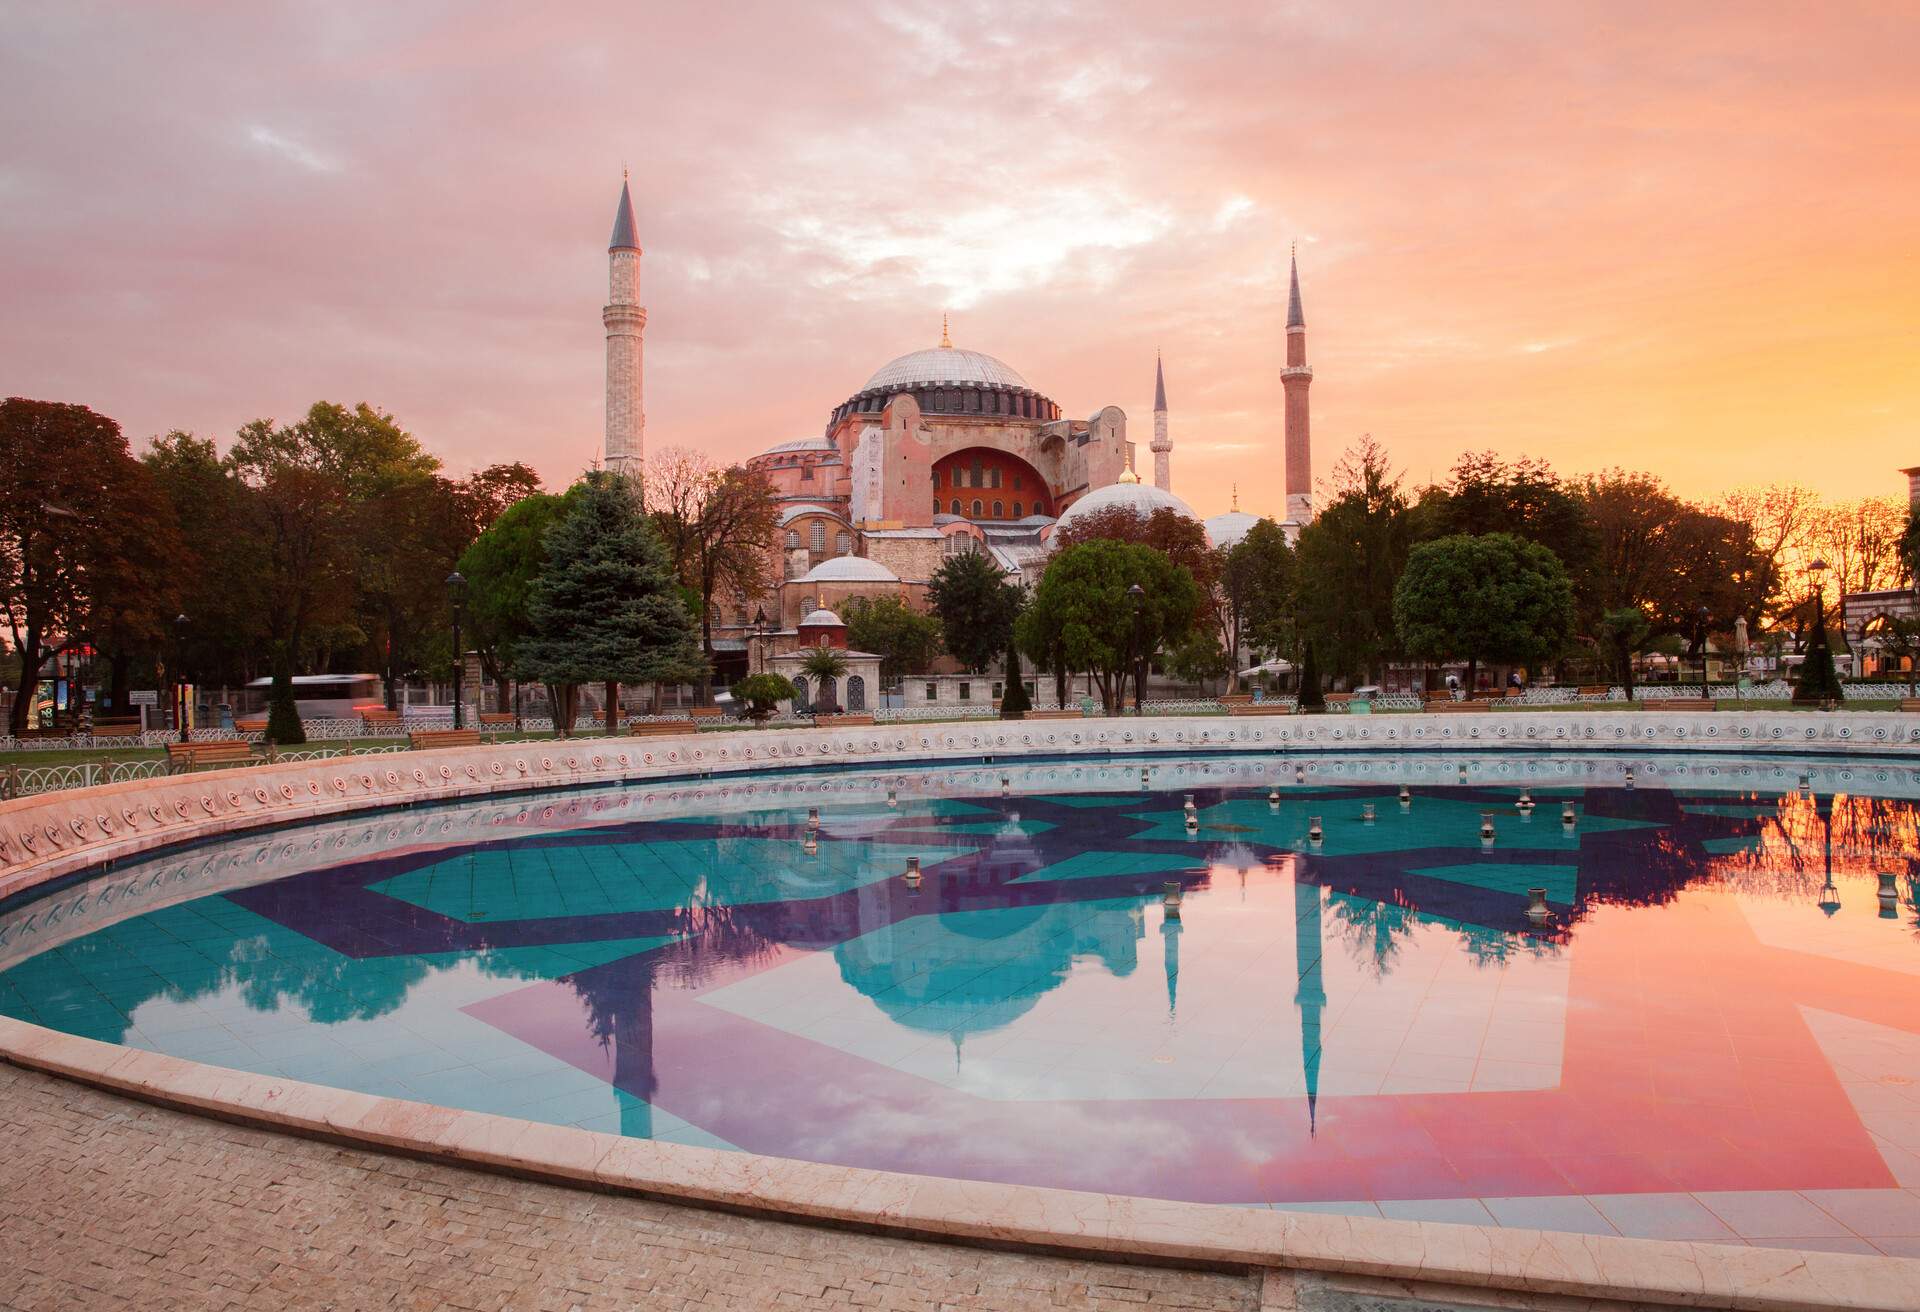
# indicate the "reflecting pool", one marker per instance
pixel 1650 998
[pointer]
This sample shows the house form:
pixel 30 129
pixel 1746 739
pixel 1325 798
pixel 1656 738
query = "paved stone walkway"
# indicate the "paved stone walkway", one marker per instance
pixel 107 1202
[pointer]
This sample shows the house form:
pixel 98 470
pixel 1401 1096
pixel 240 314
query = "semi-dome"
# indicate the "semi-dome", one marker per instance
pixel 944 364
pixel 1143 498
pixel 849 569
pixel 1227 530
pixel 822 618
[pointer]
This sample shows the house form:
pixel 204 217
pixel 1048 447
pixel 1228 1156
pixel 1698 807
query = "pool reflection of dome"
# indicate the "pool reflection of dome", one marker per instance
pixel 972 972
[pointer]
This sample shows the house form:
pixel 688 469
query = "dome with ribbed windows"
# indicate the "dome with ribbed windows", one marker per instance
pixel 944 364
pixel 849 569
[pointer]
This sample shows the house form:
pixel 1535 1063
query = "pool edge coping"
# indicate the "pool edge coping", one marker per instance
pixel 1108 1227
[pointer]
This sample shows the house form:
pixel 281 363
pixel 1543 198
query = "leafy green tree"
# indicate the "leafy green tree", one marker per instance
pixel 977 606
pixel 605 607
pixel 1522 497
pixel 1200 659
pixel 500 569
pixel 1495 598
pixel 1014 702
pixel 905 640
pixel 824 667
pixel 1623 633
pixel 1257 582
pixel 1310 698
pixel 1349 559
pixel 762 693
pixel 718 526
pixel 216 572
pixel 1083 611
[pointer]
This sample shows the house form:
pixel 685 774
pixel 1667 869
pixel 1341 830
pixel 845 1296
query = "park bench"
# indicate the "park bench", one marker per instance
pixel 1593 692
pixel 1338 701
pixel 186 757
pixel 1071 713
pixel 843 720
pixel 655 728
pixel 1235 698
pixel 257 725
pixel 496 719
pixel 706 713
pixel 422 739
pixel 1447 705
pixel 379 718
pixel 1679 704
pixel 1910 703
pixel 118 728
pixel 1259 708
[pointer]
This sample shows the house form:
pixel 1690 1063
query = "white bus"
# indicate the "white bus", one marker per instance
pixel 329 696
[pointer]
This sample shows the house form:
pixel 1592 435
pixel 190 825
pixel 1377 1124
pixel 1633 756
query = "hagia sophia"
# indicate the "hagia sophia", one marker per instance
pixel 941 451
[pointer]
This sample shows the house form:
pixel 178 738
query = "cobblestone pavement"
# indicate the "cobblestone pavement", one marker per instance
pixel 107 1202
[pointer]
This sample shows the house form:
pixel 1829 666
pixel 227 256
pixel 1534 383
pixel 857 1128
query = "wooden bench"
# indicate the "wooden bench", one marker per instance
pixel 1450 706
pixel 706 713
pixel 1073 713
pixel 1679 704
pixel 1594 692
pixel 380 718
pixel 1910 703
pixel 843 720
pixel 118 728
pixel 1259 708
pixel 496 719
pixel 654 728
pixel 182 757
pixel 422 739
pixel 1235 698
pixel 1337 701
pixel 258 725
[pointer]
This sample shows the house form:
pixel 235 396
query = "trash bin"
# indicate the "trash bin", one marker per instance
pixel 223 712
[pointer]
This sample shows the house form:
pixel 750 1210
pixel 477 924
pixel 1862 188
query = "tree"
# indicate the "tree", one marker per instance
pixel 977 606
pixel 500 568
pixel 1861 541
pixel 762 693
pixel 1623 633
pixel 1780 517
pixel 718 526
pixel 485 494
pixel 1908 550
pixel 1310 697
pixel 824 666
pixel 1083 611
pixel 905 640
pixel 217 576
pixel 1014 702
pixel 1257 581
pixel 1200 659
pixel 75 518
pixel 1348 560
pixel 604 607
pixel 1818 681
pixel 1494 598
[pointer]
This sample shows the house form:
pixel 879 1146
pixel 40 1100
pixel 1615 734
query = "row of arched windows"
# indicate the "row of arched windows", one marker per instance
pixel 979 509
pixel 842 541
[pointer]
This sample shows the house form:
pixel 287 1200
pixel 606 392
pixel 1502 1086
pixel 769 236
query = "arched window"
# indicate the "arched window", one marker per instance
pixel 806 606
pixel 1016 510
pixel 976 508
pixel 995 476
pixel 841 544
pixel 819 535
pixel 999 510
pixel 800 702
pixel 793 538
pixel 856 693
pixel 956 505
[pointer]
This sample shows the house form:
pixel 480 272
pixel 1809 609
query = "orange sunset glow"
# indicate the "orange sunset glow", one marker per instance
pixel 1675 238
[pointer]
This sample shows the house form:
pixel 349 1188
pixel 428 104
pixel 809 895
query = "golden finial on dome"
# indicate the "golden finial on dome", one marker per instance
pixel 945 341
pixel 1127 475
pixel 1236 496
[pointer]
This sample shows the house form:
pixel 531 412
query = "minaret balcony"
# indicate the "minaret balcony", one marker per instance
pixel 1297 371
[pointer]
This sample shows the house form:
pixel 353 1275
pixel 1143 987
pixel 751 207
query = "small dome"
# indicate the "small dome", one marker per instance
pixel 1143 498
pixel 849 569
pixel 944 364
pixel 1227 530
pixel 822 619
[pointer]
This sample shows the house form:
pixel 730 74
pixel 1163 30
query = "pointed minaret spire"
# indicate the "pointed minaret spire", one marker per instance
pixel 626 323
pixel 1295 377
pixel 1162 443
pixel 945 340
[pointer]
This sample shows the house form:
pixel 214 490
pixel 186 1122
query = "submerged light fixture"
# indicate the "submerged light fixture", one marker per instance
pixel 1537 910
pixel 1314 832
pixel 1192 814
pixel 1366 813
pixel 1567 816
pixel 1829 896
pixel 1406 797
pixel 913 872
pixel 1170 897
pixel 1889 895
pixel 1486 829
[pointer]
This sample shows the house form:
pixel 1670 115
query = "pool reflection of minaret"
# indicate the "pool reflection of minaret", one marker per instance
pixel 1170 950
pixel 1311 994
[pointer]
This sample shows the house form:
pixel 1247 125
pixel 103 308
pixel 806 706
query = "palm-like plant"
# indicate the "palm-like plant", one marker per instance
pixel 824 666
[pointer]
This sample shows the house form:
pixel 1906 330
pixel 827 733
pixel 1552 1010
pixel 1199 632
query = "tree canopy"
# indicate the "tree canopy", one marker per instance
pixel 1493 597
pixel 905 640
pixel 976 604
pixel 1083 612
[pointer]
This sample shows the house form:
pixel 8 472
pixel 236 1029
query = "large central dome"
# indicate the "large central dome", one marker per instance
pixel 944 364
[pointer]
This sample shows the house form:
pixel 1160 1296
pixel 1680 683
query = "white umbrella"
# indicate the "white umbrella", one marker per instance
pixel 1274 666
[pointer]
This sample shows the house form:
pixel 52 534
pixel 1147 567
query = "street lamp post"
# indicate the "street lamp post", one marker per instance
pixel 760 632
pixel 180 675
pixel 1700 628
pixel 457 593
pixel 1138 595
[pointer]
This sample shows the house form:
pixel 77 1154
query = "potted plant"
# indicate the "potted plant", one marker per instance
pixel 761 694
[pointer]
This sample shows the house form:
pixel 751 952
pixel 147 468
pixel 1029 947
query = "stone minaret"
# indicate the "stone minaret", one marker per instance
pixel 626 322
pixel 1296 377
pixel 1162 444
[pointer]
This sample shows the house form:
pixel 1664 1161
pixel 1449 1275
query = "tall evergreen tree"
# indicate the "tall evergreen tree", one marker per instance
pixel 605 607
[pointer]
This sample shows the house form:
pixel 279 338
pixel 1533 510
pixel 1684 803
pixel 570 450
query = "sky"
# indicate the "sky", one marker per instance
pixel 1680 238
